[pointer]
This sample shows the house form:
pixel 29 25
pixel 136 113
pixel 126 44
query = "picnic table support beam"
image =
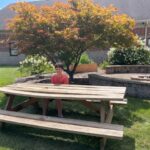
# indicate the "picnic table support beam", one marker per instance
pixel 9 102
pixel 90 106
pixel 24 104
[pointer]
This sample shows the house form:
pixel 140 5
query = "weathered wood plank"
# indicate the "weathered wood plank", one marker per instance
pixel 65 127
pixel 64 96
pixel 75 87
pixel 72 85
pixel 62 120
pixel 123 102
pixel 63 91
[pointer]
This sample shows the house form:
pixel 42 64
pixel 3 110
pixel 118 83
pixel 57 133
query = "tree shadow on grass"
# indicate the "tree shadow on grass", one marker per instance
pixel 26 138
pixel 73 110
pixel 127 143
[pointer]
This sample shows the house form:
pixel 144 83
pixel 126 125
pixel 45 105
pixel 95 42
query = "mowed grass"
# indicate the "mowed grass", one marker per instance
pixel 135 117
pixel 8 75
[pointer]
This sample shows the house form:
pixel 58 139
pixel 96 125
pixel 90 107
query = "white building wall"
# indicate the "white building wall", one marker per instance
pixel 6 59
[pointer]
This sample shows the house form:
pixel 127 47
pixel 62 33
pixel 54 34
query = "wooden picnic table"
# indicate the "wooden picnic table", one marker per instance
pixel 46 92
pixel 87 94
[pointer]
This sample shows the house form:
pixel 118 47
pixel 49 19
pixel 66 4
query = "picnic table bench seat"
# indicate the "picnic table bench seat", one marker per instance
pixel 65 125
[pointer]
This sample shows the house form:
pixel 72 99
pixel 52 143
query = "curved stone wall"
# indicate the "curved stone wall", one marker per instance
pixel 128 69
pixel 134 88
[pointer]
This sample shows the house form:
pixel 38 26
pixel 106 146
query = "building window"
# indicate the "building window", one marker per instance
pixel 13 50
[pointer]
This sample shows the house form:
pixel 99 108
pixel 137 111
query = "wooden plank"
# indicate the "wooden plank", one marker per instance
pixel 123 102
pixel 98 132
pixel 65 127
pixel 72 85
pixel 62 120
pixel 66 87
pixel 107 97
pixel 62 91
pixel 75 87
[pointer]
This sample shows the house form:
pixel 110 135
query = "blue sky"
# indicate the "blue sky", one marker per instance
pixel 4 3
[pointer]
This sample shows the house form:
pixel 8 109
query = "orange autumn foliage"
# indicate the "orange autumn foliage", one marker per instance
pixel 64 31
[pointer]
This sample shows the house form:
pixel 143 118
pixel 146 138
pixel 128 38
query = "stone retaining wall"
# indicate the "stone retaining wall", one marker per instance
pixel 134 88
pixel 47 77
pixel 128 69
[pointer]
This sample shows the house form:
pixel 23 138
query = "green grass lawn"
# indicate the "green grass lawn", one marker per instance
pixel 135 117
pixel 8 75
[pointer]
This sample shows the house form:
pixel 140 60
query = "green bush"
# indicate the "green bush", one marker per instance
pixel 35 64
pixel 104 64
pixel 85 59
pixel 136 55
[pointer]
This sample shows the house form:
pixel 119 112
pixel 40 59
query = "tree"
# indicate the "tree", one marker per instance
pixel 64 31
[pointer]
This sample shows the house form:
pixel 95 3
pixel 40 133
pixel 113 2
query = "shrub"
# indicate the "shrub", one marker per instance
pixel 85 59
pixel 35 64
pixel 136 55
pixel 104 64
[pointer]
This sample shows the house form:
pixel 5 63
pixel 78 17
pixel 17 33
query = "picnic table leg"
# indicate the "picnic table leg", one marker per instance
pixel 108 120
pixel 9 102
pixel 102 120
pixel 10 99
pixel 102 112
pixel 45 106
pixel 110 114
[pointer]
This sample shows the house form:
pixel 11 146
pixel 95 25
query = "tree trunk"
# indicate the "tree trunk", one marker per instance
pixel 70 73
pixel 71 77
